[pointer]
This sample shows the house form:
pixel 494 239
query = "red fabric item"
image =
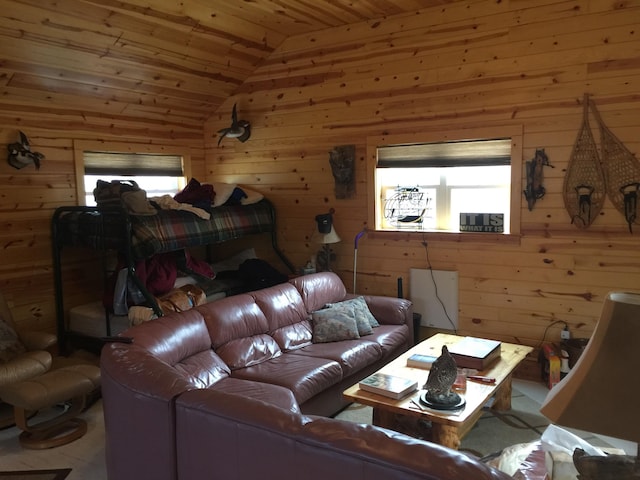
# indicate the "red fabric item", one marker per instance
pixel 158 273
pixel 199 266
pixel 195 193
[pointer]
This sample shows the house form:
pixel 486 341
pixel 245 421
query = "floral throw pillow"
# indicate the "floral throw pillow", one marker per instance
pixel 364 318
pixel 10 345
pixel 334 324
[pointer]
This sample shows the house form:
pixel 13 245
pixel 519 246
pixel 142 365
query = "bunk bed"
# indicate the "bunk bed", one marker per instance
pixel 139 237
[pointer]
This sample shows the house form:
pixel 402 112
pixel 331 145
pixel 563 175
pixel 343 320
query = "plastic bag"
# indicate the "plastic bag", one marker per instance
pixel 556 439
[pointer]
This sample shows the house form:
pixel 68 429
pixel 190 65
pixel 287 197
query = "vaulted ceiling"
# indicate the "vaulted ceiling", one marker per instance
pixel 157 56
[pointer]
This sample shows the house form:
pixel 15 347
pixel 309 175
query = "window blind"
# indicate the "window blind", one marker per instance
pixel 110 163
pixel 446 154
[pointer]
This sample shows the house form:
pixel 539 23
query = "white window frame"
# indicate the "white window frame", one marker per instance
pixel 514 132
pixel 81 146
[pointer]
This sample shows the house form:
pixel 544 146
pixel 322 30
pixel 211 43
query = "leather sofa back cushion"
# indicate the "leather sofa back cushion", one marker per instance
pixel 248 351
pixel 203 369
pixel 238 331
pixel 173 337
pixel 232 318
pixel 319 289
pixel 286 314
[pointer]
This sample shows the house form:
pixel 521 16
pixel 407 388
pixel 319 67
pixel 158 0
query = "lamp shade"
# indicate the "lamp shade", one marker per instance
pixel 331 237
pixel 600 392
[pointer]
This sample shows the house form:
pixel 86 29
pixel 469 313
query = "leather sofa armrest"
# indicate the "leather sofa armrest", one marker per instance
pixel 390 310
pixel 138 393
pixel 142 374
pixel 38 340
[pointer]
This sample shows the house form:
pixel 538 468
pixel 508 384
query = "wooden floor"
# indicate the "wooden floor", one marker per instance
pixel 84 456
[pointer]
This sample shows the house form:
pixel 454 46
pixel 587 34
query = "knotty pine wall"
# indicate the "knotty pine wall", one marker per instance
pixel 474 63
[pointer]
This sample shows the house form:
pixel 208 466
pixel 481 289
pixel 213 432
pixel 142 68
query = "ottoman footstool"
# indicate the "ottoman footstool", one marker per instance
pixel 71 385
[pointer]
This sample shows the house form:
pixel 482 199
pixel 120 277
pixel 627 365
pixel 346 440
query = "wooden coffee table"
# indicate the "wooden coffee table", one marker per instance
pixel 445 428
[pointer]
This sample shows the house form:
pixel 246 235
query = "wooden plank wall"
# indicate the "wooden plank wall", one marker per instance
pixel 36 51
pixel 467 64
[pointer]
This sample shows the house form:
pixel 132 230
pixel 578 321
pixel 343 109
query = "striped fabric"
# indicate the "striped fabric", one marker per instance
pixel 167 231
pixel 175 229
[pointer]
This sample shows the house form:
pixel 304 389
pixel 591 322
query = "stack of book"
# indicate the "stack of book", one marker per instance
pixel 419 360
pixel 388 385
pixel 473 352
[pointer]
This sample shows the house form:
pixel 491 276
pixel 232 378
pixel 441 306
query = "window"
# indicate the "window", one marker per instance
pixel 469 185
pixel 159 170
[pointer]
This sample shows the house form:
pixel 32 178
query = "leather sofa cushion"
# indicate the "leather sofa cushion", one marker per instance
pixel 352 355
pixel 182 342
pixel 389 337
pixel 174 337
pixel 245 352
pixel 203 369
pixel 286 315
pixel 305 376
pixel 238 329
pixel 291 337
pixel 318 290
pixel 266 392
pixel 232 318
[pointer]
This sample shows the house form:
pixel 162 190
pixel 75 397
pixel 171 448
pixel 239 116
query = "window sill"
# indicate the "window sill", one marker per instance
pixel 465 237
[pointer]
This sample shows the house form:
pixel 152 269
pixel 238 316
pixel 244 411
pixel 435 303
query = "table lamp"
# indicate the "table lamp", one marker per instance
pixel 326 240
pixel 600 392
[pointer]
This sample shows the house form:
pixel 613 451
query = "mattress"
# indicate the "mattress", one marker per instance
pixel 90 319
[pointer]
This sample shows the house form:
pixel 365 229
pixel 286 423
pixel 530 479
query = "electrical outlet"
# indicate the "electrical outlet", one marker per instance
pixel 565 334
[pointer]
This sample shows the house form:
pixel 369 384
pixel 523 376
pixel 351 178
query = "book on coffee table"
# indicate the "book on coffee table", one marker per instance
pixel 474 352
pixel 388 385
pixel 420 360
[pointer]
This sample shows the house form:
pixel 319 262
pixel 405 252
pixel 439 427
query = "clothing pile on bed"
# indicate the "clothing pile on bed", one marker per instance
pixel 197 198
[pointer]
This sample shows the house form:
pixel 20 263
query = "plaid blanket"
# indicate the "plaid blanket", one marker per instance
pixel 167 231
pixel 175 229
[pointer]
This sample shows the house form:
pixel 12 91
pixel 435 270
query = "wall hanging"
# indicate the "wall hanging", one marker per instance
pixel 240 129
pixel 535 190
pixel 584 185
pixel 622 172
pixel 615 172
pixel 342 160
pixel 20 154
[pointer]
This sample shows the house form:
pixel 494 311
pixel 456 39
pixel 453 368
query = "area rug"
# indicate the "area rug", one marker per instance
pixel 58 474
pixel 493 432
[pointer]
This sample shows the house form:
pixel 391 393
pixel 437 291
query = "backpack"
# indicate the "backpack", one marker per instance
pixel 257 274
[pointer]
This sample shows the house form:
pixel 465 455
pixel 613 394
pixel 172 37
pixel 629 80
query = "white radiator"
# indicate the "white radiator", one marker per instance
pixel 423 295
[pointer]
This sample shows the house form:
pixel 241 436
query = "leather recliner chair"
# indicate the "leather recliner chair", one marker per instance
pixel 31 380
pixel 30 356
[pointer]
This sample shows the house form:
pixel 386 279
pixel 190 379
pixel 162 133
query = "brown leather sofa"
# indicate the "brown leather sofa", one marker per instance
pixel 227 436
pixel 233 382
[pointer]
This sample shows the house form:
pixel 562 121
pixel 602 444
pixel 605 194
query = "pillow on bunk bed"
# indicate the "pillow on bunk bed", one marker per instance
pixel 251 196
pixel 222 193
pixel 225 193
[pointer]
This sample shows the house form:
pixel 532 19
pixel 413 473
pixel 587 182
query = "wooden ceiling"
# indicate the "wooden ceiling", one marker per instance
pixel 156 57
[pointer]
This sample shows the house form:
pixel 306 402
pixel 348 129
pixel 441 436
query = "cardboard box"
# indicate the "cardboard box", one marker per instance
pixel 550 359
